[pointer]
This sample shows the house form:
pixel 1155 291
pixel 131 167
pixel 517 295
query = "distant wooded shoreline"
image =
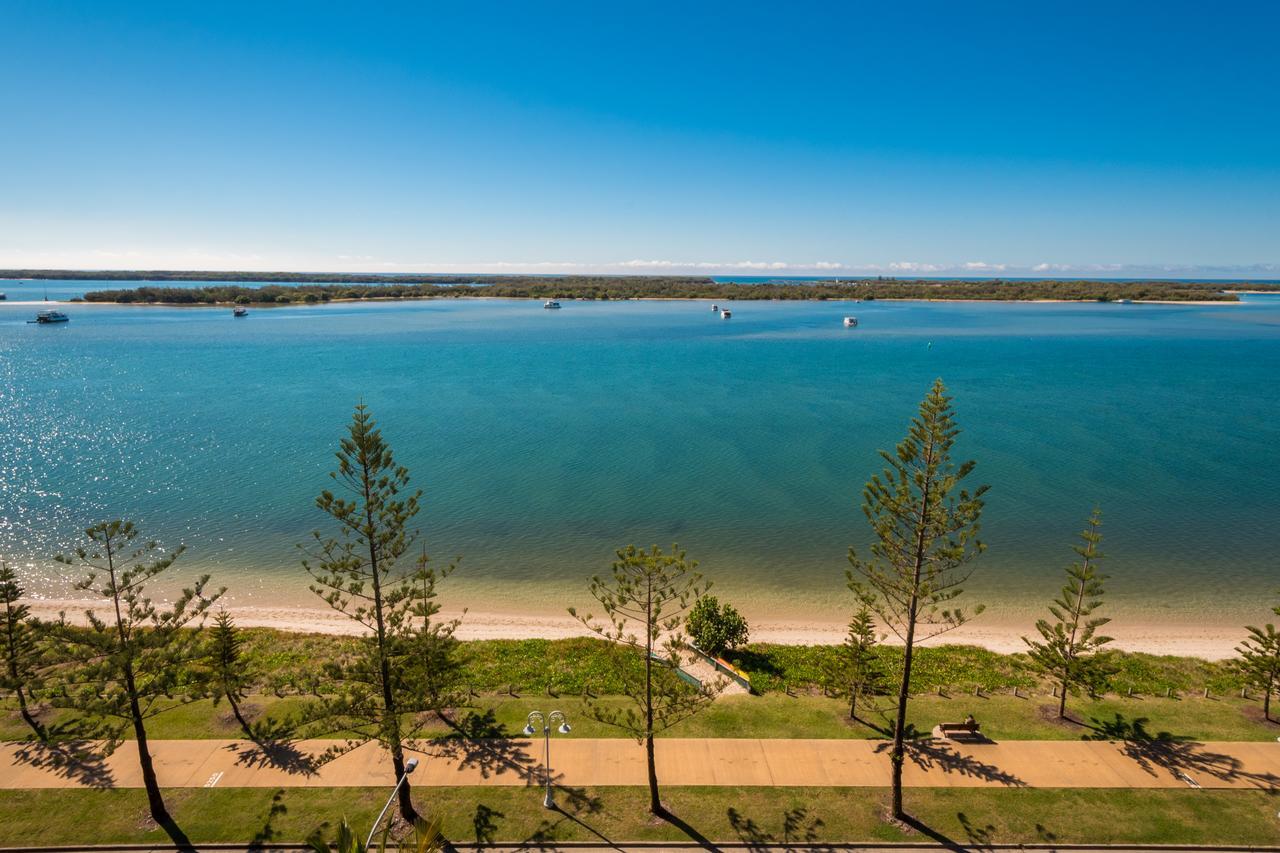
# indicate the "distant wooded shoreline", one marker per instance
pixel 292 287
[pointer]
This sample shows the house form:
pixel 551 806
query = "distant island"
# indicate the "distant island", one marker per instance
pixel 289 287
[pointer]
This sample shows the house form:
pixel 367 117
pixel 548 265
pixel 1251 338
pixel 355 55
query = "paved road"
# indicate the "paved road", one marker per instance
pixel 616 761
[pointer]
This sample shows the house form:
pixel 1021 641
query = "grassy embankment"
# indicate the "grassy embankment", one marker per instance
pixel 509 678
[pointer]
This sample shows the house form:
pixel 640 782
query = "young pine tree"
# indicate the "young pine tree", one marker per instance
pixel 21 655
pixel 384 692
pixel 925 529
pixel 854 672
pixel 1068 649
pixel 1259 661
pixel 649 592
pixel 230 677
pixel 126 668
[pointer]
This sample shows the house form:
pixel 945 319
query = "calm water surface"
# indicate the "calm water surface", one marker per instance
pixel 545 439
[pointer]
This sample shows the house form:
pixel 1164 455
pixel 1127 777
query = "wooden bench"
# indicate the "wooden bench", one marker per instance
pixel 953 730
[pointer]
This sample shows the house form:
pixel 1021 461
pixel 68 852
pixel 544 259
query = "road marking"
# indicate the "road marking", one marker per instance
pixel 213 780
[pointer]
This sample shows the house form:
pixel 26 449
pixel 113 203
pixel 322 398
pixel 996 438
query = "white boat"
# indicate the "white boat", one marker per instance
pixel 850 322
pixel 46 317
pixel 239 311
pixel 551 303
pixel 725 314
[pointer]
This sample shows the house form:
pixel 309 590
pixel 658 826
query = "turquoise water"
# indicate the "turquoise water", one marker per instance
pixel 544 440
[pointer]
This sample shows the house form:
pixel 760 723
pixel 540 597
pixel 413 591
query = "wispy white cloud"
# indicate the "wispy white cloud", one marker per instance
pixel 132 257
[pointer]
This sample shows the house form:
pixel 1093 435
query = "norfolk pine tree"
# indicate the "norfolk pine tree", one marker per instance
pixel 1067 650
pixel 925 531
pixel 650 592
pixel 21 656
pixel 1259 661
pixel 130 666
pixel 854 671
pixel 384 691
pixel 229 675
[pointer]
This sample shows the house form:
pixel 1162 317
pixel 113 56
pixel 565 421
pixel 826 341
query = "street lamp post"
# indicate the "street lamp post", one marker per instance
pixel 546 722
pixel 409 767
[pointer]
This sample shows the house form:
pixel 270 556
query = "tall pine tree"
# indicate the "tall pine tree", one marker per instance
pixel 364 572
pixel 925 535
pixel 645 599
pixel 131 664
pixel 1067 650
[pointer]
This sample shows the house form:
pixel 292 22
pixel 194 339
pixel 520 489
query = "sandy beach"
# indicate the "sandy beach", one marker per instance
pixel 1211 642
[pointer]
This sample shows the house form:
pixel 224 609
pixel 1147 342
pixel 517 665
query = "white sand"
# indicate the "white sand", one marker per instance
pixel 1212 642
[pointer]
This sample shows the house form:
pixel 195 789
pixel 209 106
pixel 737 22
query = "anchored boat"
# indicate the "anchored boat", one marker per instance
pixel 46 317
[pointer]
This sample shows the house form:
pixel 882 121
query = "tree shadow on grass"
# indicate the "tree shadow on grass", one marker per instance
pixel 1179 756
pixel 578 803
pixel 693 834
pixel 913 823
pixel 268 833
pixel 80 762
pixel 799 827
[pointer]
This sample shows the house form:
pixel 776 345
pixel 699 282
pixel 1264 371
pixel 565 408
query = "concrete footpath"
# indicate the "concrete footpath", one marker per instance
pixel 720 761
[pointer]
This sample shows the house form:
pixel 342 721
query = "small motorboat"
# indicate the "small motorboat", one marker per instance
pixel 239 311
pixel 46 317
pixel 850 322
pixel 715 307
pixel 551 304
pixel 2 296
pixel 726 314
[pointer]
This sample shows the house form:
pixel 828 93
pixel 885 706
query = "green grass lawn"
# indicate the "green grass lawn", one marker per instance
pixel 754 815
pixel 777 715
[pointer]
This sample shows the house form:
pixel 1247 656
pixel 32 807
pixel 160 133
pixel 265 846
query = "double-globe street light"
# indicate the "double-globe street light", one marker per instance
pixel 546 722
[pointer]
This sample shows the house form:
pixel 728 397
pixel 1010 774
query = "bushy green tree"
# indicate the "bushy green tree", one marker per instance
pixel 141 659
pixel 714 627
pixel 21 655
pixel 854 672
pixel 384 692
pixel 1259 661
pixel 649 592
pixel 925 536
pixel 1067 650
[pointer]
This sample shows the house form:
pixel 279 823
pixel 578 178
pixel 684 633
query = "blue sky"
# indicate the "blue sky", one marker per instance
pixel 779 138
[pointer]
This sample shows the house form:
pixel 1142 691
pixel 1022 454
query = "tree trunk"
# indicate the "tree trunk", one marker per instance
pixel 655 804
pixel 1266 704
pixel 1062 700
pixel 27 716
pixel 898 756
pixel 235 709
pixel 154 799
pixel 407 811
pixel 853 704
